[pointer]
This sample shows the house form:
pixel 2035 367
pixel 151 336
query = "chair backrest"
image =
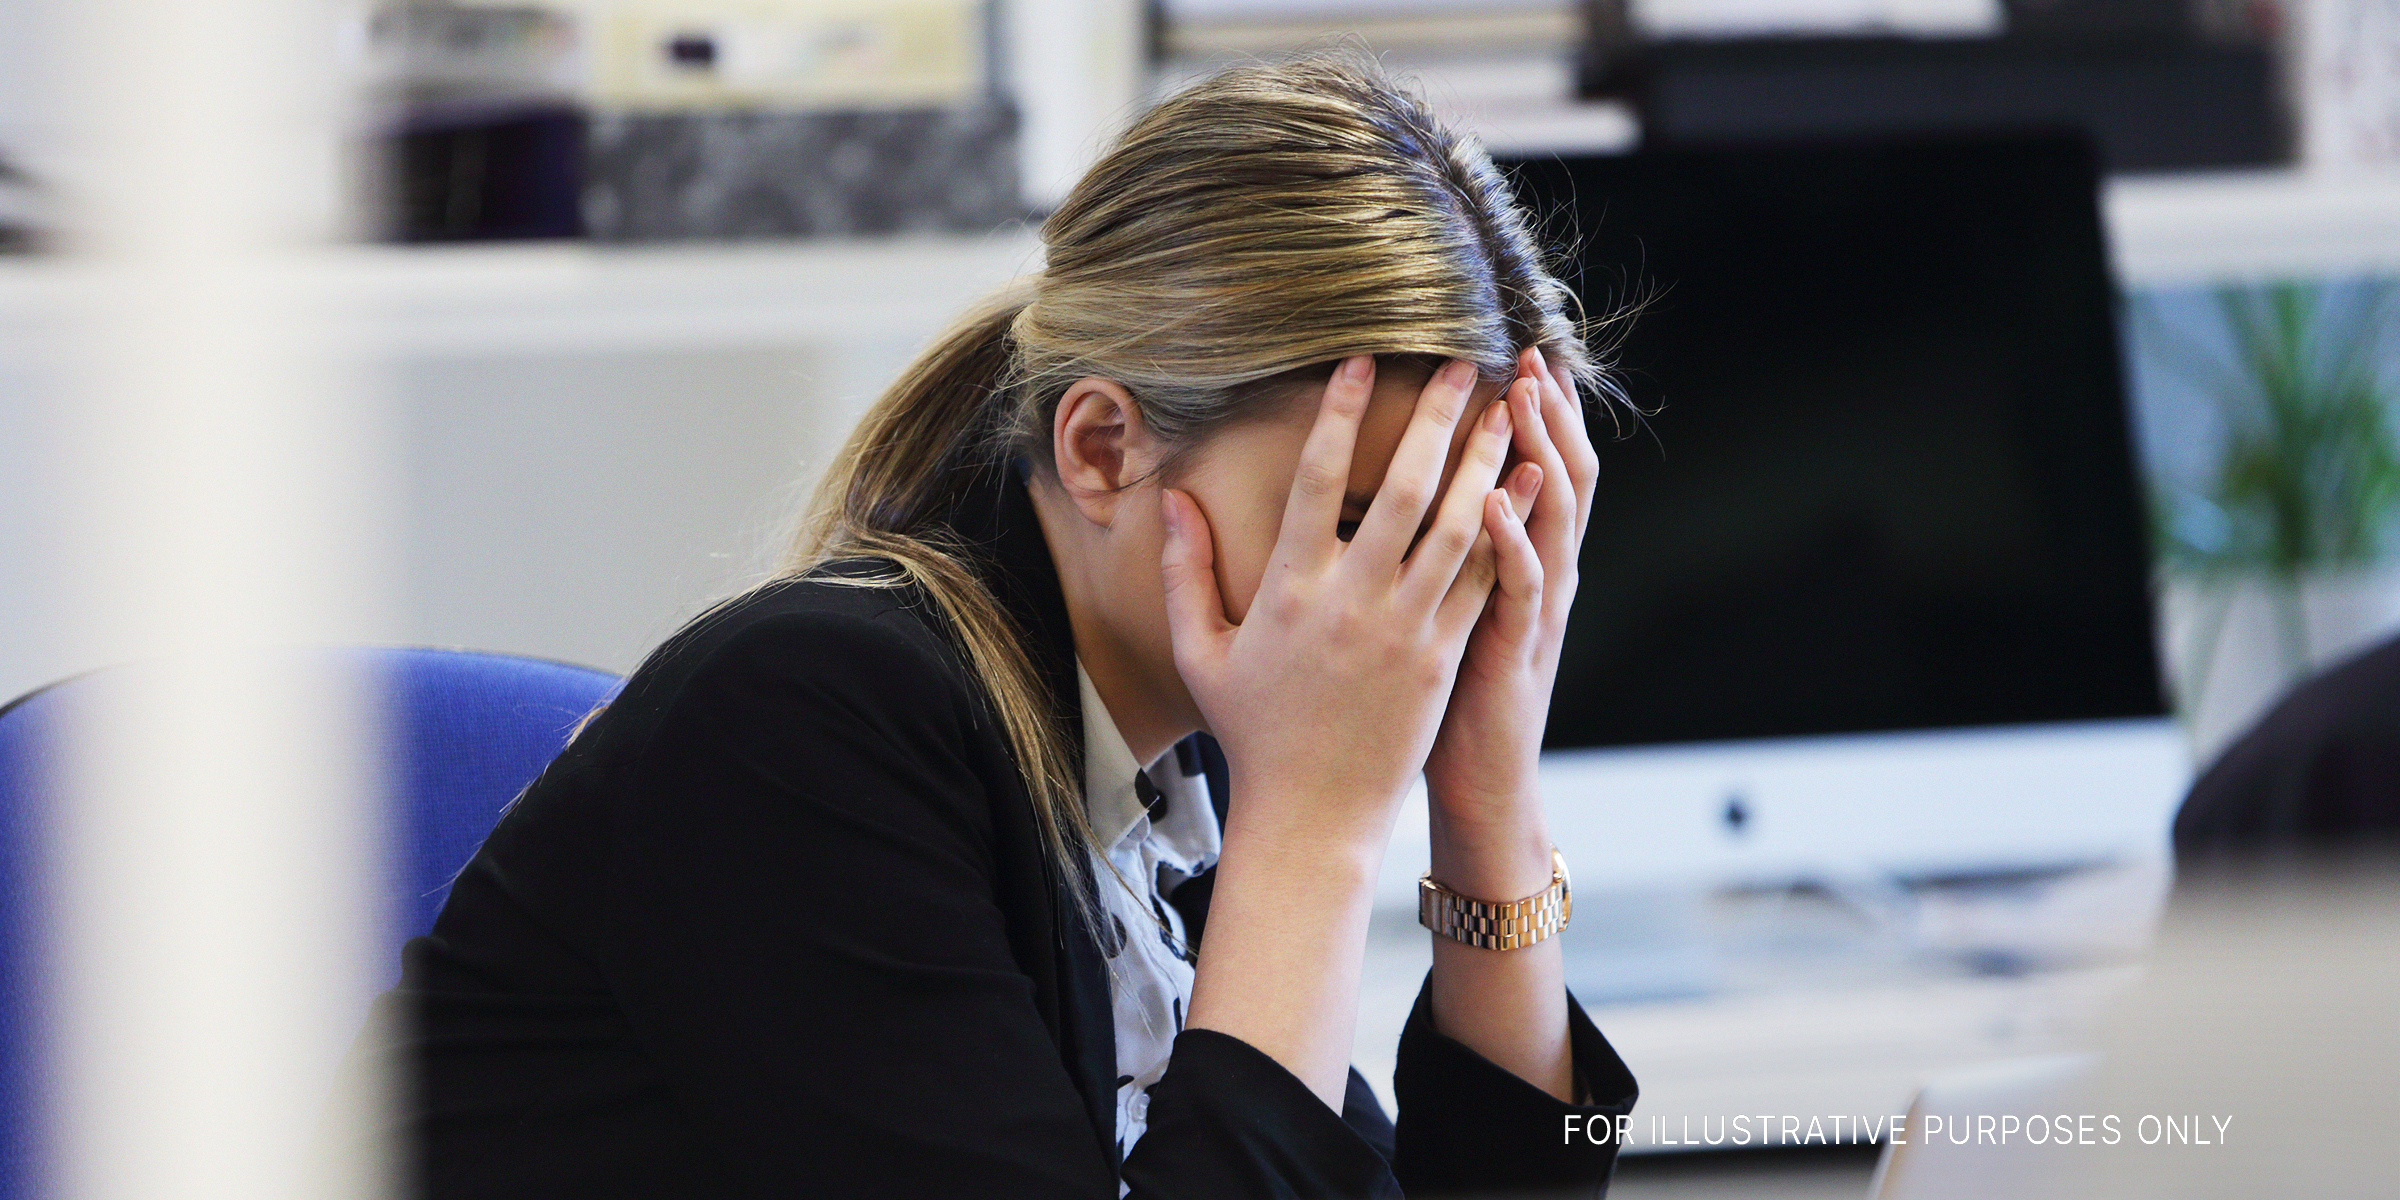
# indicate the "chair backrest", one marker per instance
pixel 462 733
pixel 27 773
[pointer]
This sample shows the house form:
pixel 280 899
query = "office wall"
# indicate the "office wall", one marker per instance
pixel 581 504
pixel 575 505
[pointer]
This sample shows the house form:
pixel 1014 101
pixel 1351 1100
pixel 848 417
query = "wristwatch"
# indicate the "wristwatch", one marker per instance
pixel 1510 926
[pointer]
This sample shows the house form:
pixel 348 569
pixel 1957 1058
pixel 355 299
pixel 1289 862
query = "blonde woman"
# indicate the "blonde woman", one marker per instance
pixel 1129 613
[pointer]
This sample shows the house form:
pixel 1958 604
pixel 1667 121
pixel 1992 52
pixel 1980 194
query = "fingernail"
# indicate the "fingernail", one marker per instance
pixel 1168 512
pixel 1528 480
pixel 1356 367
pixel 1508 504
pixel 1462 373
pixel 1495 418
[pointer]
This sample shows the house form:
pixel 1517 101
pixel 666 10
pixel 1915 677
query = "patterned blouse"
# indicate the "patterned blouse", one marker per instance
pixel 1155 827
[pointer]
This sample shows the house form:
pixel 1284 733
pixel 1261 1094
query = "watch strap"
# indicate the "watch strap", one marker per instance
pixel 1511 925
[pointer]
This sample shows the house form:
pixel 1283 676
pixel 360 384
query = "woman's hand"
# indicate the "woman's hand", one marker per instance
pixel 1480 772
pixel 1489 837
pixel 1328 694
pixel 1326 698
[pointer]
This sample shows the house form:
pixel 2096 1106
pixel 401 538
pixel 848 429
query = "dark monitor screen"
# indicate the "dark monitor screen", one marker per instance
pixel 1886 480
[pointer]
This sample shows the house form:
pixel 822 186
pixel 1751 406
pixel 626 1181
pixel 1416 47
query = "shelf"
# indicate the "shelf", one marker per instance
pixel 562 297
pixel 2180 229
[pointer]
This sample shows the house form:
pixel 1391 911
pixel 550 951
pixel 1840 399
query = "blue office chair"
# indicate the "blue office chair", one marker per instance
pixel 463 733
pixel 25 773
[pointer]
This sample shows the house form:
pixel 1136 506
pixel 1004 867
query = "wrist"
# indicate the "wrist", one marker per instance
pixel 1305 809
pixel 1316 836
pixel 1497 859
pixel 1486 795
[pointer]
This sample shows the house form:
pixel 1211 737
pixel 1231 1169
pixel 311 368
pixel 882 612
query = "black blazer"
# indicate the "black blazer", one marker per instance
pixel 779 923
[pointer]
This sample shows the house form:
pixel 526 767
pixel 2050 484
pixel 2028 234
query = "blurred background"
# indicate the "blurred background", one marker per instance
pixel 2025 376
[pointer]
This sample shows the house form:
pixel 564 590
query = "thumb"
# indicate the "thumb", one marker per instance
pixel 1195 609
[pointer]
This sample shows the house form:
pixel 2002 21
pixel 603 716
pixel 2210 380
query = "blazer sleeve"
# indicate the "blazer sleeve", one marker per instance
pixel 1228 1121
pixel 1471 1127
pixel 811 943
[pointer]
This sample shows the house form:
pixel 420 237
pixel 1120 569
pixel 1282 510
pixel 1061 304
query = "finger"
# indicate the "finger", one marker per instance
pixel 1516 603
pixel 1415 476
pixel 1551 518
pixel 1435 561
pixel 1314 509
pixel 1563 417
pixel 1559 381
pixel 1470 589
pixel 1524 487
pixel 1196 622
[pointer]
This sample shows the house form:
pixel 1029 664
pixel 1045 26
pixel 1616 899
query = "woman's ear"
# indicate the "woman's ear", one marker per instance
pixel 1100 445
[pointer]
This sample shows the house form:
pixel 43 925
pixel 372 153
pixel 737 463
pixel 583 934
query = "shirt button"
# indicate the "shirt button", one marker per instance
pixel 1139 1107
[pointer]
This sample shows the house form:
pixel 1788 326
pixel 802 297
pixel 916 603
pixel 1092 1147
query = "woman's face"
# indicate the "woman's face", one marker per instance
pixel 1106 534
pixel 1242 476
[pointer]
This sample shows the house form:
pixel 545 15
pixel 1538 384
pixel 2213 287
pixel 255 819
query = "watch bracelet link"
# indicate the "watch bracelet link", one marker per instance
pixel 1512 925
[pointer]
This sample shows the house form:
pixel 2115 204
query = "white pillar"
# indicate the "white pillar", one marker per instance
pixel 212 874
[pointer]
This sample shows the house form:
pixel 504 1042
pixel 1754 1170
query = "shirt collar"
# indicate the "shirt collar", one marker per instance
pixel 1109 801
pixel 1185 837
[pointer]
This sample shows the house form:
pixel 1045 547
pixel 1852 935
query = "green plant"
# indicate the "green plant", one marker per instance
pixel 2309 474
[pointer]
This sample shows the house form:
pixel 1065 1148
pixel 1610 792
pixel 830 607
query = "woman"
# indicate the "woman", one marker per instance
pixel 860 887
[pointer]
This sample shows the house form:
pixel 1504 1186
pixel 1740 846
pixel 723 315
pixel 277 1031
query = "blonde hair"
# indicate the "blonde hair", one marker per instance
pixel 1237 239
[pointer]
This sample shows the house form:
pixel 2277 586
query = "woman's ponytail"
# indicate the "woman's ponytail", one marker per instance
pixel 884 498
pixel 891 476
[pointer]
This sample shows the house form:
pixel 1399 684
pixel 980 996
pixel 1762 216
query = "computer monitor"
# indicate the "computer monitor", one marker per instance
pixel 1884 481
pixel 1866 588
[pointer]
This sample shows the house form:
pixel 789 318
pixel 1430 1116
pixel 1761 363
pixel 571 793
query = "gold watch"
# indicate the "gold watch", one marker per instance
pixel 1510 926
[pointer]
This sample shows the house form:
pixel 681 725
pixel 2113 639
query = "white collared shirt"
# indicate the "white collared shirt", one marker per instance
pixel 1157 827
